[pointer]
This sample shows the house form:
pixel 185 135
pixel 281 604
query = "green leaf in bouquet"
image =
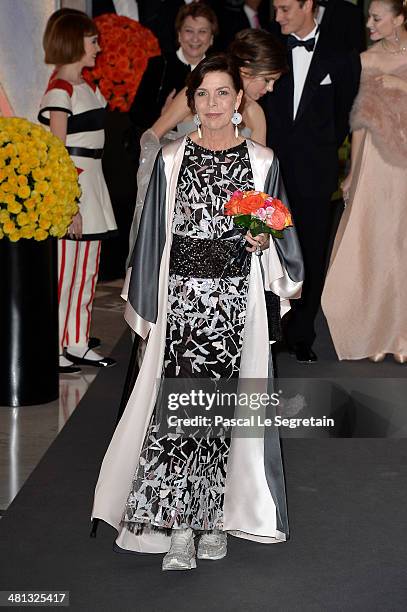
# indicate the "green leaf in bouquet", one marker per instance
pixel 276 233
pixel 258 227
pixel 243 220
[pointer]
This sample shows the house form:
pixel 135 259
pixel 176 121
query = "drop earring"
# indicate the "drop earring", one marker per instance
pixel 236 120
pixel 198 124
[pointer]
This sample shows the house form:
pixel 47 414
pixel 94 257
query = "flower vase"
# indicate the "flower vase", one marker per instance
pixel 28 322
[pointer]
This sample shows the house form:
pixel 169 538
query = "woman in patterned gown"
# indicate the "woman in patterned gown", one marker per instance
pixel 261 59
pixel 205 317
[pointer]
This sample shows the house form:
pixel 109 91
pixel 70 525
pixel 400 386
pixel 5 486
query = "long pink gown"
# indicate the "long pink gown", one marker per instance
pixel 365 293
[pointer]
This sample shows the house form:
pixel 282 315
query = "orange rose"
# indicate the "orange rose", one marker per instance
pixel 277 220
pixel 253 202
pixel 279 206
pixel 127 76
pixel 111 58
pixel 109 73
pixel 233 206
pixel 120 90
pixel 244 203
pixel 247 207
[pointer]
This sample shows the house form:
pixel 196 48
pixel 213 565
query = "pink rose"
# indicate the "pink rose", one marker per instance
pixel 259 214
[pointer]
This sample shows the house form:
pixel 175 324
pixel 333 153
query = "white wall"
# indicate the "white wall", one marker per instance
pixel 23 74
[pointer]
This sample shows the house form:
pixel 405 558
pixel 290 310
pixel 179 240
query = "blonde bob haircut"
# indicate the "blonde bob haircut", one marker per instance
pixel 64 41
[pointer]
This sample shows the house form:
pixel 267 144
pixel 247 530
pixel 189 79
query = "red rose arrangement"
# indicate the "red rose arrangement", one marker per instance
pixel 259 213
pixel 126 47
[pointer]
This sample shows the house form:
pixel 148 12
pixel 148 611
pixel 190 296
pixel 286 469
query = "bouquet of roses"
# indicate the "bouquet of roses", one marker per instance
pixel 258 212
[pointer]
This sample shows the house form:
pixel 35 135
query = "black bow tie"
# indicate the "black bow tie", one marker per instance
pixel 293 42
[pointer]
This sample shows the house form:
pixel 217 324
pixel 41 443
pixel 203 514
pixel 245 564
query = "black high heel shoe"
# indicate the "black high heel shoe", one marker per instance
pixel 95 525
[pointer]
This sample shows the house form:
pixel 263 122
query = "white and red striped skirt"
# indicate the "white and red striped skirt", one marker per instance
pixel 78 265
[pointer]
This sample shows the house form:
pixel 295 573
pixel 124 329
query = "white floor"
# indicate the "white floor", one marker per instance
pixel 27 432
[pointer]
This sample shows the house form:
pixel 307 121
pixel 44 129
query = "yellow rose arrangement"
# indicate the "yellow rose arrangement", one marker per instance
pixel 39 188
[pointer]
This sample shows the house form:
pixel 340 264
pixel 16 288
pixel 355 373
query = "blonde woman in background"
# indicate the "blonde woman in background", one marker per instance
pixel 365 296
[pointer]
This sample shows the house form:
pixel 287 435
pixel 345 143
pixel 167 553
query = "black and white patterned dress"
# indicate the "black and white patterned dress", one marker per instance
pixel 180 480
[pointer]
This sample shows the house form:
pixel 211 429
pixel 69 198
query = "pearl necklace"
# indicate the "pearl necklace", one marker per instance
pixel 401 49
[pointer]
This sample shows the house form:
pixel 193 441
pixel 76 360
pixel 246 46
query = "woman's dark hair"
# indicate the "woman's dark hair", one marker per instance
pixel 64 42
pixel 259 52
pixel 195 10
pixel 219 62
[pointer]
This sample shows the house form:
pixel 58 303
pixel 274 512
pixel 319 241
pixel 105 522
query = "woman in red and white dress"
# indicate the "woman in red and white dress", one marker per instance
pixel 75 112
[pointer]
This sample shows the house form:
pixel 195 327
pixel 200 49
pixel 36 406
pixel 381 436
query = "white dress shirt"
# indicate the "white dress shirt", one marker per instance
pixel 301 63
pixel 320 14
pixel 127 8
pixel 183 59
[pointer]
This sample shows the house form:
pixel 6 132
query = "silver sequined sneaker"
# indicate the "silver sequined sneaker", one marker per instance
pixel 181 555
pixel 212 545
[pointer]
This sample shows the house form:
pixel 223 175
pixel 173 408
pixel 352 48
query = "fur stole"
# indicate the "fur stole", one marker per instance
pixel 384 113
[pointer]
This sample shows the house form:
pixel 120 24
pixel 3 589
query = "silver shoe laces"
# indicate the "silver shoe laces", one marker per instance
pixel 180 541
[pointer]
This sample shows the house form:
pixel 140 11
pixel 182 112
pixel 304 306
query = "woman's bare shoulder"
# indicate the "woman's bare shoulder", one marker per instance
pixel 371 56
pixel 253 110
pixel 255 120
pixel 253 115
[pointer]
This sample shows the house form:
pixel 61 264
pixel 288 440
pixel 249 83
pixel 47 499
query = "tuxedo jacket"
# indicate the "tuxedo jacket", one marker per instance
pixel 307 146
pixel 232 19
pixel 343 24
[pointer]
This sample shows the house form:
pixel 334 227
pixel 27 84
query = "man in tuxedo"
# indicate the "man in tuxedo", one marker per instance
pixel 340 20
pixel 237 15
pixel 307 120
